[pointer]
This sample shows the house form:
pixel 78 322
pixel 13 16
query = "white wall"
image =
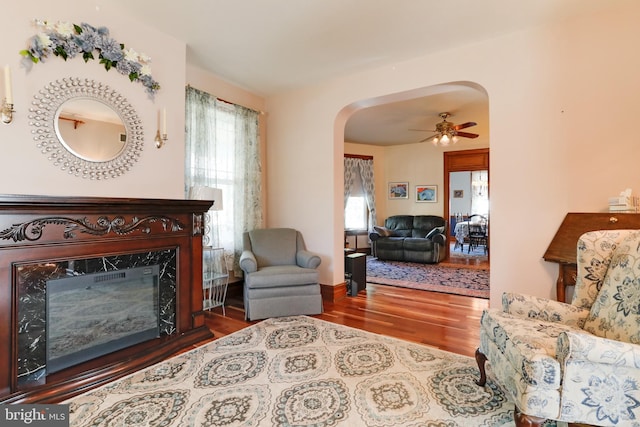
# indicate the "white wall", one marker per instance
pixel 158 173
pixel 460 181
pixel 555 94
pixel 418 164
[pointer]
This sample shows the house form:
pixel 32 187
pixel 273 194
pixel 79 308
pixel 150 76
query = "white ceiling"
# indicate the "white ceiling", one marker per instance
pixel 393 123
pixel 269 46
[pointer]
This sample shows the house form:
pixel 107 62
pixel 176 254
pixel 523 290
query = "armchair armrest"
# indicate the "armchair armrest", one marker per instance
pixel 439 238
pixel 248 262
pixel 584 346
pixel 307 259
pixel 379 232
pixel 528 306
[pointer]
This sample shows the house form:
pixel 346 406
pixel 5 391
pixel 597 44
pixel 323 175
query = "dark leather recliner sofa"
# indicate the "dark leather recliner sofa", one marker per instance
pixel 419 238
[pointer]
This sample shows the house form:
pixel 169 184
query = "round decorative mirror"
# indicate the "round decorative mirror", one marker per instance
pixel 86 128
pixel 90 129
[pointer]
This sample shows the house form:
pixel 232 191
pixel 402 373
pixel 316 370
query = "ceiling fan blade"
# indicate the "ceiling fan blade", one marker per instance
pixel 427 138
pixel 464 125
pixel 467 134
pixel 423 130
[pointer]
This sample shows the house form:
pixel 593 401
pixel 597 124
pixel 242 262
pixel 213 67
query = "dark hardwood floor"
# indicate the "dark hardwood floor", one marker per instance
pixel 448 322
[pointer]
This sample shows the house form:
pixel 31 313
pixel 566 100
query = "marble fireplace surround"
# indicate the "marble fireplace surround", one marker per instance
pixel 40 235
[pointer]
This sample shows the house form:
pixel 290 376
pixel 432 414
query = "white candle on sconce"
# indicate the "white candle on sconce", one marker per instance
pixel 164 121
pixel 8 94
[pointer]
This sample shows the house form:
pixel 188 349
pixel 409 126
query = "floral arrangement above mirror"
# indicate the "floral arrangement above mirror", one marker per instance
pixel 68 40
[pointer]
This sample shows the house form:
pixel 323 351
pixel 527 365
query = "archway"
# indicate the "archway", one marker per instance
pixel 380 127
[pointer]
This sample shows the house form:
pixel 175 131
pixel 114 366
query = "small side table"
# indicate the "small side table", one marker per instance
pixel 355 267
pixel 215 278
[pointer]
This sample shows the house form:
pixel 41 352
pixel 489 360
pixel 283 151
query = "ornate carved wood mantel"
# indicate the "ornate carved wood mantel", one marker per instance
pixel 48 231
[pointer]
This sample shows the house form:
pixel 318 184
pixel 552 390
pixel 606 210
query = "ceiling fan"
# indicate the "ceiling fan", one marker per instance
pixel 447 132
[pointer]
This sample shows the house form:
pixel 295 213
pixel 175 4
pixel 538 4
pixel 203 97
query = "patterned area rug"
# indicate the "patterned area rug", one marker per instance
pixel 463 252
pixel 300 371
pixel 429 277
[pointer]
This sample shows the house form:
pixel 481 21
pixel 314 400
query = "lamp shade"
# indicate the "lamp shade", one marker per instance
pixel 202 192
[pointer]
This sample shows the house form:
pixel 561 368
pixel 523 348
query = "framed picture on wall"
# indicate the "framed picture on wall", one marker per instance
pixel 426 193
pixel 398 190
pixel 458 194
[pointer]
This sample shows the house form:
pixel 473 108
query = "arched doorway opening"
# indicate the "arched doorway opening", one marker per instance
pixel 385 129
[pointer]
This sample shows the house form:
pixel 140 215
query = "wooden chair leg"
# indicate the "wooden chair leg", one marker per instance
pixel 524 420
pixel 521 420
pixel 481 360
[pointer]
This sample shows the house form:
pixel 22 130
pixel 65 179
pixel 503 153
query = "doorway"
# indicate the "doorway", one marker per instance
pixel 462 161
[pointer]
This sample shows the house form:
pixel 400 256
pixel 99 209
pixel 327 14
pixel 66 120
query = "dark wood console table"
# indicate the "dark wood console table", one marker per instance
pixel 355 267
pixel 40 234
pixel 563 247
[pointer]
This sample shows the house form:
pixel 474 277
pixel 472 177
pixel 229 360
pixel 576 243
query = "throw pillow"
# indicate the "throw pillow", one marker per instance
pixel 384 232
pixel 615 314
pixel 436 230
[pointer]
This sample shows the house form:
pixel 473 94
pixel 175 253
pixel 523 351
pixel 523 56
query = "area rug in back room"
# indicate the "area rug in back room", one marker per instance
pixel 301 371
pixel 429 277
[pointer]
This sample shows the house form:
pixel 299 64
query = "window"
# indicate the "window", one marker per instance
pixel 222 151
pixel 356 213
pixel 221 176
pixel 360 204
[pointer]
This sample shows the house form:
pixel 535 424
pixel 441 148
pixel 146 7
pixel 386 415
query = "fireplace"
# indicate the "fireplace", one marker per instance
pixel 36 281
pixel 47 241
pixel 91 315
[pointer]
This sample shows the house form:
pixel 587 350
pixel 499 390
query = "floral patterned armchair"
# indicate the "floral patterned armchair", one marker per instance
pixel 577 362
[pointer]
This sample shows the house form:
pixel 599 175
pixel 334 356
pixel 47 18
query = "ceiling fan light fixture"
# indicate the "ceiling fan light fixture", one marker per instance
pixel 445 138
pixel 447 132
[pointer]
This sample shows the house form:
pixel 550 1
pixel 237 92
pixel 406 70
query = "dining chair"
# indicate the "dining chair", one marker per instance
pixel 478 233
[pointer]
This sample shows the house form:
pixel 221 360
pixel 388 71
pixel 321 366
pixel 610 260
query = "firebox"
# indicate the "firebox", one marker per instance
pixel 90 315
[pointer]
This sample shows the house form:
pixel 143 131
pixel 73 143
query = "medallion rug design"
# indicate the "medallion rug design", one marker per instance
pixel 429 277
pixel 300 371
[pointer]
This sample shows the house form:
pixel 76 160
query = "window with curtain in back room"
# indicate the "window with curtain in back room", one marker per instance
pixel 356 212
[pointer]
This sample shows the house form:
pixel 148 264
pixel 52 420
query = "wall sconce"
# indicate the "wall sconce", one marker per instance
pixel 162 124
pixel 7 102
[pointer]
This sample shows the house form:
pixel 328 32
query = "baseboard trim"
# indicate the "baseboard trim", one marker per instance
pixel 333 293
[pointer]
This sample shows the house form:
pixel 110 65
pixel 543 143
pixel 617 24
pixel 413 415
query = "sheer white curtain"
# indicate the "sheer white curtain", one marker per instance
pixel 223 151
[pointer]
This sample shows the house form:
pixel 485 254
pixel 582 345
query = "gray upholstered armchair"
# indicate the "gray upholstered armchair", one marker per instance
pixel 281 276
